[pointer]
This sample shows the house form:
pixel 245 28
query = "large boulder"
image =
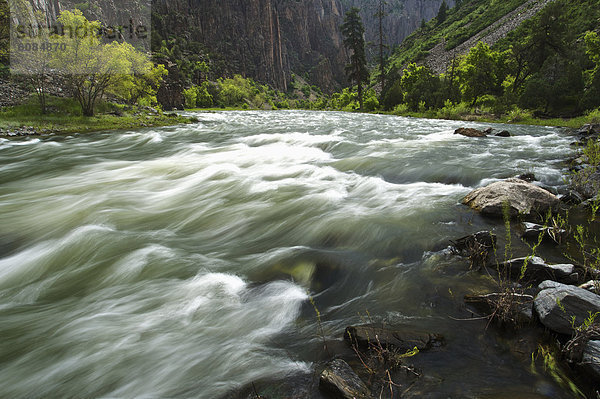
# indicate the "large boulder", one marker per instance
pixel 340 381
pixel 537 270
pixel 560 307
pixel 522 197
pixel 403 339
pixel 470 132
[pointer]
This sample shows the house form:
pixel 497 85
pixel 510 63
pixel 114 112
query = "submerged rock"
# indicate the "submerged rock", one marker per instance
pixel 537 270
pixel 504 133
pixel 404 339
pixel 560 307
pixel 476 247
pixel 470 132
pixel 522 198
pixel 464 245
pixel 340 381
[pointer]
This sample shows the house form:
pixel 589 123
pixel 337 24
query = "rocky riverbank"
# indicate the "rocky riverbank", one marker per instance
pixel 538 304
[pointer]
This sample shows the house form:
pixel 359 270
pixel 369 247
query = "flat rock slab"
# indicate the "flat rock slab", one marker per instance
pixel 404 339
pixel 521 305
pixel 470 132
pixel 556 305
pixel 340 381
pixel 537 270
pixel 522 197
pixel 533 232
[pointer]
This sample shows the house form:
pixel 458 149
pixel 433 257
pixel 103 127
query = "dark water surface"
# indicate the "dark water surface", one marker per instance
pixel 178 262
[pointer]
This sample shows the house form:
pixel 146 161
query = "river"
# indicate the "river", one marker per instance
pixel 179 262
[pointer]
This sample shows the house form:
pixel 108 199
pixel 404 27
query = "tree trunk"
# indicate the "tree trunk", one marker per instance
pixel 360 95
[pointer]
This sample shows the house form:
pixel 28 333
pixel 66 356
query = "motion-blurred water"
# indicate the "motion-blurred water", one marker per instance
pixel 178 262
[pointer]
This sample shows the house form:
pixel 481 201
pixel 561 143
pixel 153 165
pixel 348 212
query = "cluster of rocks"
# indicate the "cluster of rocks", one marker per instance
pixel 23 131
pixel 340 380
pixel 554 295
pixel 471 132
pixel 11 93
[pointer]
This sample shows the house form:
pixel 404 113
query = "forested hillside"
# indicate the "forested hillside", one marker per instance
pixel 547 63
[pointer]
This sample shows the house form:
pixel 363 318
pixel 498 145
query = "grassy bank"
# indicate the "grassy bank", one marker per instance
pixel 64 116
pixel 528 119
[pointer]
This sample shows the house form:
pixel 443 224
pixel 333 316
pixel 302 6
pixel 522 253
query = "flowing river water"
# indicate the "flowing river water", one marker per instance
pixel 180 262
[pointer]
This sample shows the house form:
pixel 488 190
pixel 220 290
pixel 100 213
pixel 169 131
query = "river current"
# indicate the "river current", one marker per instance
pixel 180 262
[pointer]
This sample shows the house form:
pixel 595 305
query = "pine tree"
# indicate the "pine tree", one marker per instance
pixel 380 15
pixel 442 13
pixel 353 31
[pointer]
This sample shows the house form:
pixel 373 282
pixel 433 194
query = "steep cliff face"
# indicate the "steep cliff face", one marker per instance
pixel 402 17
pixel 263 39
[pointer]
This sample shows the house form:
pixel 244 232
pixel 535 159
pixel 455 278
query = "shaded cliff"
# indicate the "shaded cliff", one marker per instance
pixel 263 39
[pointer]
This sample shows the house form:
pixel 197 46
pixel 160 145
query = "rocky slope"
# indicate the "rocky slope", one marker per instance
pixel 439 59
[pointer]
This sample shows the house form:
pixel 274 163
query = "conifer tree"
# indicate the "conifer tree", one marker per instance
pixel 353 32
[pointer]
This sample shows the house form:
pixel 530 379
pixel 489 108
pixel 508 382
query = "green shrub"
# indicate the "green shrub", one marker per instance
pixel 518 115
pixel 593 116
pixel 189 96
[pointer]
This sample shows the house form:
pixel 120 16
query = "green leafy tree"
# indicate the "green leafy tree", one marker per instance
pixel 353 31
pixel 482 71
pixel 141 85
pixel 92 67
pixel 420 86
pixel 592 76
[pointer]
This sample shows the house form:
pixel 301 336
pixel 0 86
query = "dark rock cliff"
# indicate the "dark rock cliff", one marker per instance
pixel 267 40
pixel 263 39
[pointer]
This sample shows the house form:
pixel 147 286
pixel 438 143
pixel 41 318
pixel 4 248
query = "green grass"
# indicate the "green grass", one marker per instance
pixel 64 116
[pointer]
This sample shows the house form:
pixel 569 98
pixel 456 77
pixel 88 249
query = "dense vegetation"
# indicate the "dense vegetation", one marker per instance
pixel 548 65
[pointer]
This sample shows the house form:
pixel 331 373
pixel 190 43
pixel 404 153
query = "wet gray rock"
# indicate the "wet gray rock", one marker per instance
pixel 520 306
pixel 537 271
pixel 522 197
pixel 556 304
pixel 591 359
pixel 404 339
pixel 533 231
pixel 504 133
pixel 470 132
pixel 571 198
pixel 340 381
